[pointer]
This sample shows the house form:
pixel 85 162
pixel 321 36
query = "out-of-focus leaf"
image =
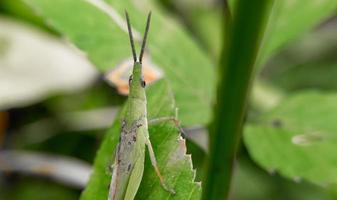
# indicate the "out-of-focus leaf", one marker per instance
pixel 264 96
pixel 253 183
pixel 291 18
pixel 169 148
pixel 207 24
pixel 298 138
pixel 35 65
pixel 99 29
pixel 333 191
pixel 314 75
pixel 18 9
pixel 310 62
pixel 204 20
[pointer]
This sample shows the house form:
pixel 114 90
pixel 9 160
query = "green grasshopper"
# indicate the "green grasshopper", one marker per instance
pixel 128 166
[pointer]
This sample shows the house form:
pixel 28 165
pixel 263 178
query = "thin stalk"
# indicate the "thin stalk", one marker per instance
pixel 242 40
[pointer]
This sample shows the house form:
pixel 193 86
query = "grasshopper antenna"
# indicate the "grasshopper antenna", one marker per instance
pixel 131 37
pixel 145 37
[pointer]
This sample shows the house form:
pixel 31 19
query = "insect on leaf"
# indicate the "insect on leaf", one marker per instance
pixel 170 152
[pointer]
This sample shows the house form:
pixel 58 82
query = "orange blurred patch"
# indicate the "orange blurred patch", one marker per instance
pixel 119 76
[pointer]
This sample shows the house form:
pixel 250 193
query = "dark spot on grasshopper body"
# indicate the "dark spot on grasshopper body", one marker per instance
pixel 134 138
pixel 129 167
pixel 142 83
pixel 130 80
pixel 118 148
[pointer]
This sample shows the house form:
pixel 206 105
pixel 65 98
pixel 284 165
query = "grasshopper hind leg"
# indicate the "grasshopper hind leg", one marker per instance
pixel 155 166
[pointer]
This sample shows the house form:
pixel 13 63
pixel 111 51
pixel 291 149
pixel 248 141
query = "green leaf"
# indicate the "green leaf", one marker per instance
pixel 105 41
pixel 252 183
pixel 298 138
pixel 18 9
pixel 169 148
pixel 310 62
pixel 291 18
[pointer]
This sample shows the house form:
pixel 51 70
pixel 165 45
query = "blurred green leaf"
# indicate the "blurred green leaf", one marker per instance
pixel 309 75
pixel 100 32
pixel 169 148
pixel 298 138
pixel 19 9
pixel 253 183
pixel 310 62
pixel 291 18
pixel 207 25
pixel 333 191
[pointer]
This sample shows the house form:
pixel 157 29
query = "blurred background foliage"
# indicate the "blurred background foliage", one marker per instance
pixel 50 91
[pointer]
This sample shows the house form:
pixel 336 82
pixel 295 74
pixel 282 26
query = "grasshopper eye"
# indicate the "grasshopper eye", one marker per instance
pixel 142 83
pixel 130 80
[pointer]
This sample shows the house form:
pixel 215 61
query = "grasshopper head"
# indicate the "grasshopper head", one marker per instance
pixel 137 82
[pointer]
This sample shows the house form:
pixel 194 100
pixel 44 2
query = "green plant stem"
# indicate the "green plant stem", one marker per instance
pixel 242 41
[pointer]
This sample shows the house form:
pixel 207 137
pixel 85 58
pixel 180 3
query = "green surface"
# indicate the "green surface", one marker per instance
pixel 18 9
pixel 173 162
pixel 298 138
pixel 291 18
pixel 310 62
pixel 253 183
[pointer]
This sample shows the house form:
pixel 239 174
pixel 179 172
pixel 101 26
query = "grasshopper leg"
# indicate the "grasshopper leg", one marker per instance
pixel 164 119
pixel 174 119
pixel 155 166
